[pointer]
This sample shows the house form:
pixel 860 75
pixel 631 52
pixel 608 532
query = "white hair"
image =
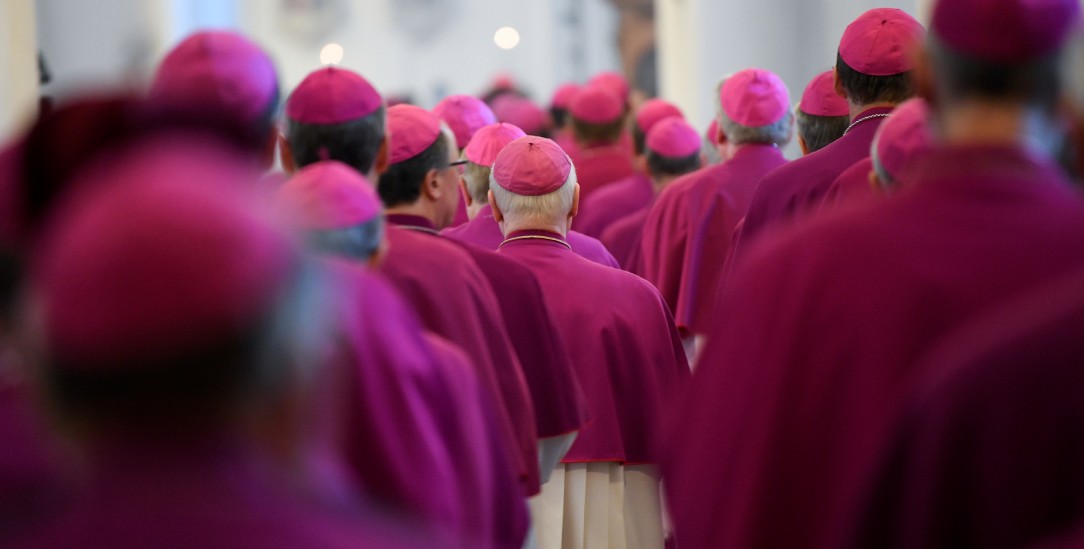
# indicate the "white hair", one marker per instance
pixel 544 209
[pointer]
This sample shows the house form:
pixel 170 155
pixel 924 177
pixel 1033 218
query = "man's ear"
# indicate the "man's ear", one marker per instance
pixel 383 161
pixel 269 149
pixel 286 156
pixel 468 200
pixel 838 84
pixel 923 77
pixel 575 203
pixel 431 185
pixel 802 145
pixel 720 136
pixel 641 163
pixel 497 213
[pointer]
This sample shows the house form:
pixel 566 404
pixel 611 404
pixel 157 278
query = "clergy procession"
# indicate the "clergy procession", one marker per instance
pixel 241 315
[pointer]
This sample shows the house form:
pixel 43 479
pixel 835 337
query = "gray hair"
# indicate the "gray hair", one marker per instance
pixel 543 208
pixel 477 178
pixel 777 133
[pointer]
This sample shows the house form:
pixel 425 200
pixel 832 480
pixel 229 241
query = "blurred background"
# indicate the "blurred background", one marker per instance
pixel 422 50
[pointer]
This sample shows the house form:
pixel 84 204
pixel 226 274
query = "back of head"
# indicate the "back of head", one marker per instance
pixel 417 146
pixel 673 148
pixel 158 291
pixel 335 114
pixel 754 107
pixel 1000 50
pixel 651 112
pixel 336 208
pixel 465 115
pixel 63 141
pixel 822 114
pixel 533 183
pixel 901 140
pixel 598 115
pixel 481 152
pixel 876 57
pixel 523 113
pixel 559 103
pixel 223 71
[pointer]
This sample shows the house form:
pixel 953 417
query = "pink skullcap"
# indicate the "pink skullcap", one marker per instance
pixel 713 131
pixel 881 42
pixel 563 96
pixel 654 110
pixel 596 105
pixel 673 137
pixel 332 96
pixel 221 69
pixel 465 115
pixel 522 112
pixel 754 97
pixel 329 195
pixel 411 129
pixel 820 97
pixel 903 136
pixel 160 251
pixel 531 166
pixel 489 141
pixel 1007 31
pixel 614 82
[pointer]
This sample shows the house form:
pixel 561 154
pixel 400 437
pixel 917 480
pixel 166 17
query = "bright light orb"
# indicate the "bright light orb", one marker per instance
pixel 331 54
pixel 506 38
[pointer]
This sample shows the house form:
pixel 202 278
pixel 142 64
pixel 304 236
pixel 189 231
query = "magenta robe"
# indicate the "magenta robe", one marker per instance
pixel 989 451
pixel 454 299
pixel 613 202
pixel 624 347
pixel 484 231
pixel 801 379
pixel 557 398
pixel 31 487
pixel 599 166
pixel 797 189
pixel 623 239
pixel 210 493
pixel 414 424
pixel 852 184
pixel 688 232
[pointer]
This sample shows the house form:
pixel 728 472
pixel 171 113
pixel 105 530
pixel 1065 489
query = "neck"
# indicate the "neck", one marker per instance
pixel 474 207
pixel 730 148
pixel 419 209
pixel 993 123
pixel 659 182
pixel 856 109
pixel 509 226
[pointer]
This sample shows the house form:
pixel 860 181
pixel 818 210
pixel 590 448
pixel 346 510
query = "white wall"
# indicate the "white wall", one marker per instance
pixel 701 41
pixel 427 48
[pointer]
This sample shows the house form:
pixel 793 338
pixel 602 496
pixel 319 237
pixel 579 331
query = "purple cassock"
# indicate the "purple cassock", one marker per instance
pixel 484 231
pixel 207 492
pixel 798 188
pixel 623 239
pixel 852 184
pixel 454 300
pixel 412 422
pixel 988 452
pixel 800 381
pixel 689 230
pixel 558 400
pixel 624 347
pixel 602 165
pixel 613 202
pixel 30 488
